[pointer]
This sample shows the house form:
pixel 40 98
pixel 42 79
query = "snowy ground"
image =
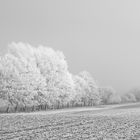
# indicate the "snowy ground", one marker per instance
pixel 103 123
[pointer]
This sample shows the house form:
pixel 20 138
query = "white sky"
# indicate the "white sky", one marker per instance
pixel 100 36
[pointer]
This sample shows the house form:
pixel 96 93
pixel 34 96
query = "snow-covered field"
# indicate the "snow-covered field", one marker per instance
pixel 104 123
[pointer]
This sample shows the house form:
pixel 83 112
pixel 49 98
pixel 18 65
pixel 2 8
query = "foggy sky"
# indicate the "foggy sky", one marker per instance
pixel 100 36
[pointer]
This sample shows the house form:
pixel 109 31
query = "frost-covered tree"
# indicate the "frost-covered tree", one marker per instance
pixel 32 83
pixel 129 97
pixel 91 88
pixel 9 79
pixel 45 74
pixel 105 94
pixel 80 94
pixel 54 68
pixel 136 93
pixel 86 90
pixel 115 99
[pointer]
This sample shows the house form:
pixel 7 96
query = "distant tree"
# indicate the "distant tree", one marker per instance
pixel 136 93
pixel 129 97
pixel 105 94
pixel 115 99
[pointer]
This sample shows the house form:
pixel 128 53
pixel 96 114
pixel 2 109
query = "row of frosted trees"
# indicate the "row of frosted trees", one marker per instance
pixel 38 79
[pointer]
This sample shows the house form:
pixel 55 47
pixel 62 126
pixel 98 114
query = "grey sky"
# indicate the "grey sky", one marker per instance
pixel 100 36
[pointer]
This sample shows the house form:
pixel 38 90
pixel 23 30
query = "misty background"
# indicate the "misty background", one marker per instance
pixel 101 36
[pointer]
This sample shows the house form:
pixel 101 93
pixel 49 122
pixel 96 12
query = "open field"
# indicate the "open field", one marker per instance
pixel 103 123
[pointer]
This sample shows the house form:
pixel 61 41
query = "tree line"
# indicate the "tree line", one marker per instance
pixel 37 78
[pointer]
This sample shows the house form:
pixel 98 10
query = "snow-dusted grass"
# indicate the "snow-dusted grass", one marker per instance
pixel 107 123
